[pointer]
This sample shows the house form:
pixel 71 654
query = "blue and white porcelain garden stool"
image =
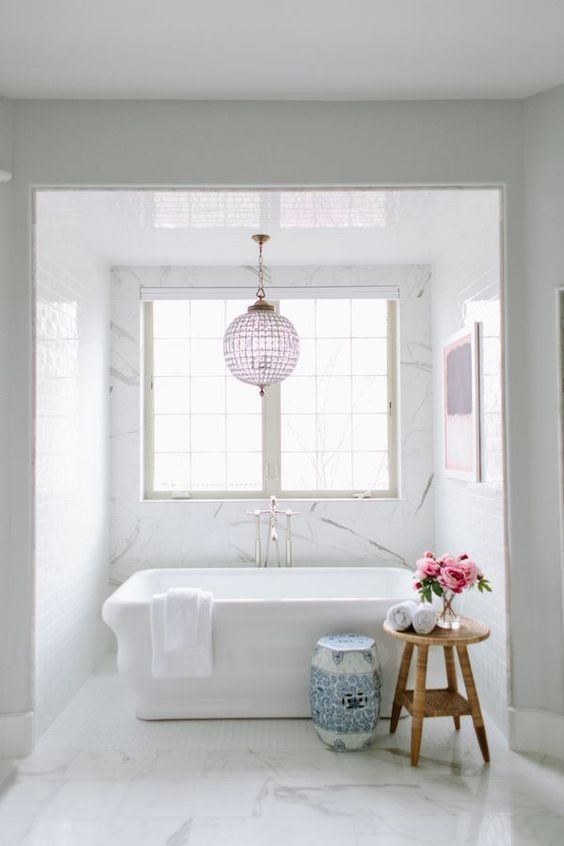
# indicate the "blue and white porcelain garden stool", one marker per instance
pixel 345 690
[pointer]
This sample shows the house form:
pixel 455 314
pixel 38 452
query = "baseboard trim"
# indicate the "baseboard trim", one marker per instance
pixel 16 735
pixel 536 731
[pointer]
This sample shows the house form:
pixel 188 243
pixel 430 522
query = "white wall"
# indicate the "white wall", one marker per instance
pixel 537 659
pixel 5 196
pixel 160 143
pixel 15 716
pixel 374 532
pixel 72 467
pixel 469 517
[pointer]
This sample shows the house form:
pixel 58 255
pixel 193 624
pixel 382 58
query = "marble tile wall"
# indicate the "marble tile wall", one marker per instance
pixel 470 517
pixel 71 469
pixel 184 534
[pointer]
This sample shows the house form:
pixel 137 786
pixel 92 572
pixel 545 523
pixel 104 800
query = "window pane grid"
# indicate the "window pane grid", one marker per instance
pixel 346 450
pixel 334 412
pixel 205 434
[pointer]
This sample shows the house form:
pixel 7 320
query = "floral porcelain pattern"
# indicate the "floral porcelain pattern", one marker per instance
pixel 345 690
pixel 343 642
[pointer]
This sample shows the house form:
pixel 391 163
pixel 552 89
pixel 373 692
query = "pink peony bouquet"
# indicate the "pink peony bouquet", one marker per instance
pixel 451 573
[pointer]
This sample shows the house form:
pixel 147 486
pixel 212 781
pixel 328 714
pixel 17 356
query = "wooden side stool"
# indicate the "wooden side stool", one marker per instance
pixel 443 702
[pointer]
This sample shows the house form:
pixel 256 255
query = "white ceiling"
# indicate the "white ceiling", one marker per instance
pixel 179 227
pixel 280 49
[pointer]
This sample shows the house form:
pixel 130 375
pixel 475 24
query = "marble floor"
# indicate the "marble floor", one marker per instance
pixel 99 777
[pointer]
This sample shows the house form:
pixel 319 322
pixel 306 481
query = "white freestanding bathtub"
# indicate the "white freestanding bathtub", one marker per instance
pixel 265 625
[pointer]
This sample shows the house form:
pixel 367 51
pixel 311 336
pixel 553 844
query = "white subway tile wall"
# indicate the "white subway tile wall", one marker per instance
pixel 71 469
pixel 469 517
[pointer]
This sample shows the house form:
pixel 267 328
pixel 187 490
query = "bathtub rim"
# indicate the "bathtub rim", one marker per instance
pixel 119 596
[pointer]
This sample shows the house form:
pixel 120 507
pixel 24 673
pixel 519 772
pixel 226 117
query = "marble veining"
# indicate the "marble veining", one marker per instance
pixel 371 541
pixel 367 532
pixel 425 493
pixel 99 778
pixel 466 286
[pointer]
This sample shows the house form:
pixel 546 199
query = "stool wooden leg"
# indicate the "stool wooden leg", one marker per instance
pixel 418 703
pixel 451 677
pixel 400 686
pixel 473 701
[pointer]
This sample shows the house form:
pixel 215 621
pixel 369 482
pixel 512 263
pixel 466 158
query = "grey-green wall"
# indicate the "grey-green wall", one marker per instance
pixel 279 144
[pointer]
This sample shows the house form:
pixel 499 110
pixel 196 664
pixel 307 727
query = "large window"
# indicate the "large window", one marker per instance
pixel 327 431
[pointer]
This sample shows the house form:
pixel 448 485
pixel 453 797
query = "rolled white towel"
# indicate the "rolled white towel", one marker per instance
pixel 424 619
pixel 400 616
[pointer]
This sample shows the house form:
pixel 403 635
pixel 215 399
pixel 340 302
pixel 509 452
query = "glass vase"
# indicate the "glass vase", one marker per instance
pixel 448 618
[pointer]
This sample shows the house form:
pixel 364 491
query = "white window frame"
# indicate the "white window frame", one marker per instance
pixel 271 417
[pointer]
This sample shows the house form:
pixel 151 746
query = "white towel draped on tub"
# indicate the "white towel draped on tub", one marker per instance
pixel 181 632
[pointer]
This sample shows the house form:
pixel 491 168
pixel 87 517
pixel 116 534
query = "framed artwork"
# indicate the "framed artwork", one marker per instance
pixel 461 374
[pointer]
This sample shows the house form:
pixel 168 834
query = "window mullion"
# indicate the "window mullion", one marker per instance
pixel 271 447
pixel 271 435
pixel 392 396
pixel 147 485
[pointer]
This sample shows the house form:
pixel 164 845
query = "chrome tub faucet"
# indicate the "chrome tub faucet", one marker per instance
pixel 272 513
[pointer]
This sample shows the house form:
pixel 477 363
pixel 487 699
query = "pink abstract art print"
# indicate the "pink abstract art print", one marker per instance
pixel 461 398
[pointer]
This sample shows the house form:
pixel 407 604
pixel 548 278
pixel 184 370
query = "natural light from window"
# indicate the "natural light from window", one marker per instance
pixel 324 431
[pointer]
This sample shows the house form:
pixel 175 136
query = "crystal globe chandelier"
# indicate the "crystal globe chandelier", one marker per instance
pixel 261 347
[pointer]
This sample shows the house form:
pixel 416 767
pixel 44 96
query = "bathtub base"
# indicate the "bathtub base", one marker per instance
pixel 265 626
pixel 260 695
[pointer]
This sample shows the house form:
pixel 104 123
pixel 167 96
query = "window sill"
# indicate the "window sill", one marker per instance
pixel 266 497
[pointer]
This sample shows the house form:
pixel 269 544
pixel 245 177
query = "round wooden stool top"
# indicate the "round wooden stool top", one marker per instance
pixel 470 631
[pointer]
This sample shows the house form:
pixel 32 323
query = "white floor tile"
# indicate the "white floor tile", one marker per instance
pixel 180 832
pixel 178 763
pixel 13 833
pixel 26 799
pixel 29 799
pixel 100 833
pixel 110 765
pixel 196 797
pixel 313 798
pixel 6 769
pixel 463 830
pixel 271 832
pixel 243 763
pixel 46 764
pixel 101 777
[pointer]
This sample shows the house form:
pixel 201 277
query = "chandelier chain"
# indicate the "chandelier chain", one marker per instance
pixel 260 289
pixel 261 347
